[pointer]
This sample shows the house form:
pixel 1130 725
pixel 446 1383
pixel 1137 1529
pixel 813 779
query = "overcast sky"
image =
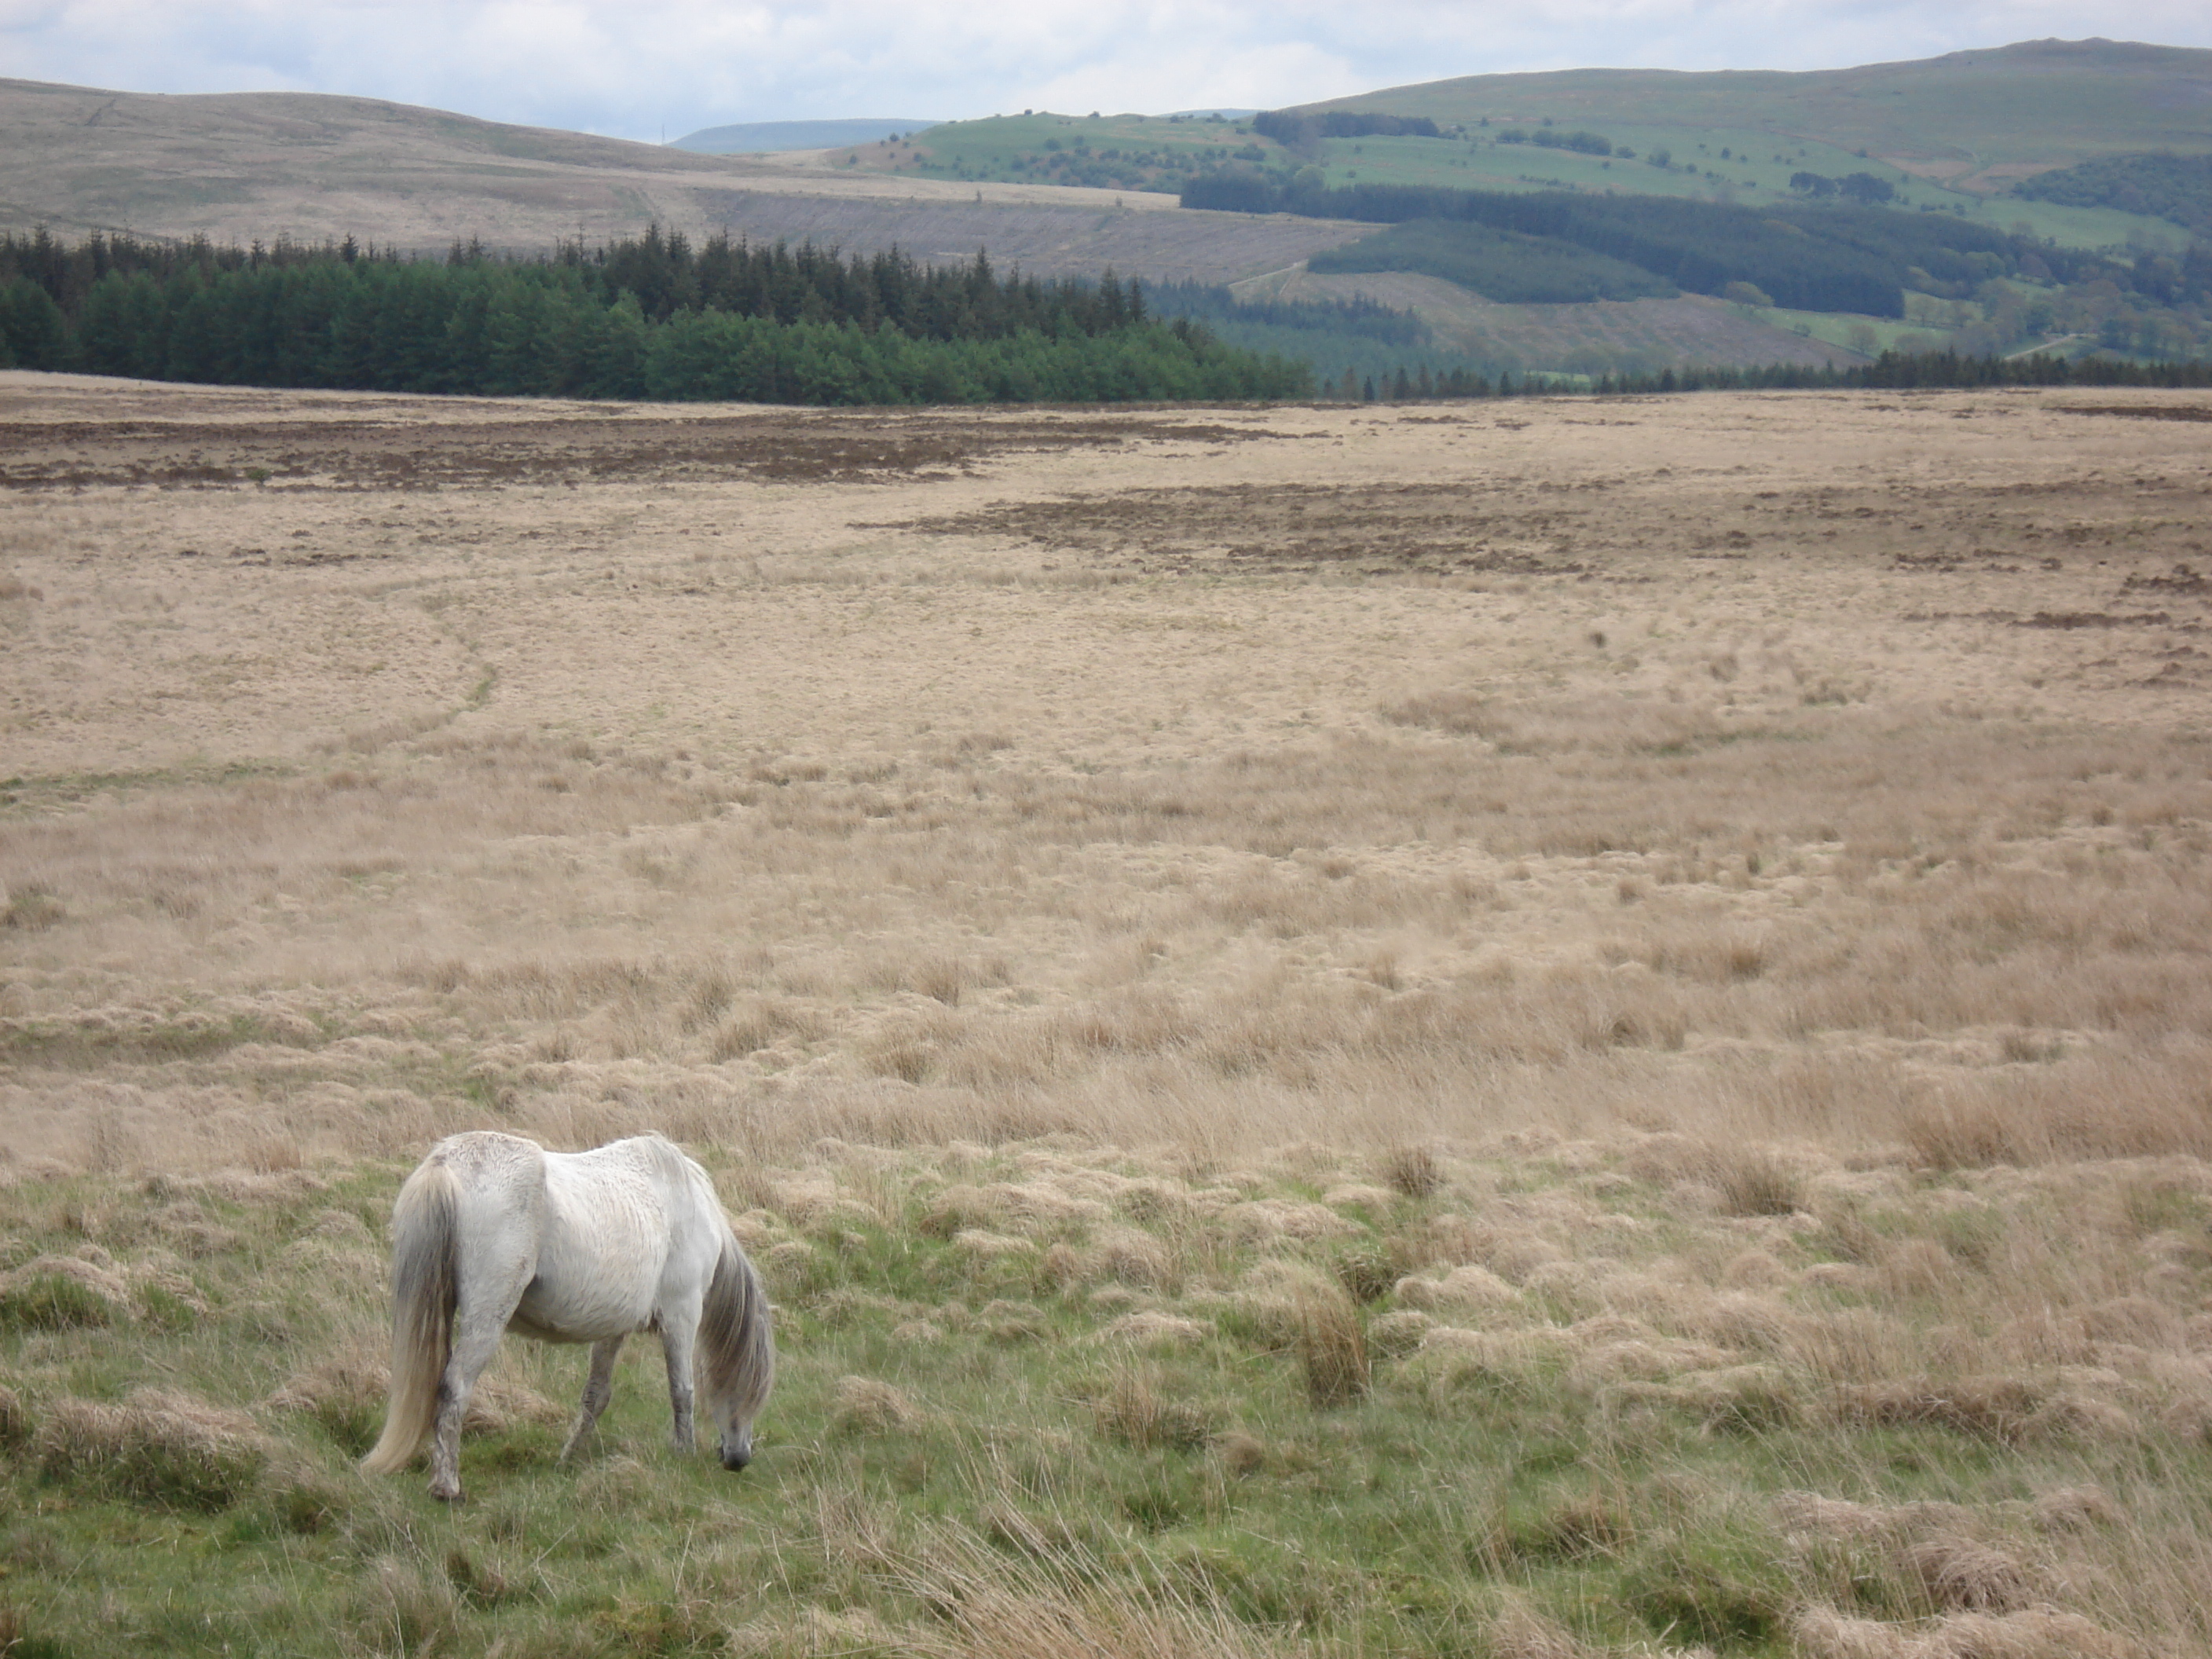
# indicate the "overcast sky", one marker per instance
pixel 633 68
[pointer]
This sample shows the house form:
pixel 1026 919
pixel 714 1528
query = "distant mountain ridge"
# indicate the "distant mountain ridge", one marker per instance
pixel 768 137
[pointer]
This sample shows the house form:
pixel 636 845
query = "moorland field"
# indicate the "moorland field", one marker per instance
pixel 1539 1028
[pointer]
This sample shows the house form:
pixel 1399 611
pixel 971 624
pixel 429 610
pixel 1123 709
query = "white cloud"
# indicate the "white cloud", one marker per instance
pixel 629 68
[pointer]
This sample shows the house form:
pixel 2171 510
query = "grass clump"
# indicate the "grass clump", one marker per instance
pixel 1137 1408
pixel 1718 1589
pixel 156 1449
pixel 866 1405
pixel 31 908
pixel 34 1299
pixel 1332 1345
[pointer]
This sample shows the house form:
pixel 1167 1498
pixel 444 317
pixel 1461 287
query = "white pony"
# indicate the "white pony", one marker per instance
pixel 493 1233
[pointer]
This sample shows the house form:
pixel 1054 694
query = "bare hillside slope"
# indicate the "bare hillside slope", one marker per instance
pixel 247 166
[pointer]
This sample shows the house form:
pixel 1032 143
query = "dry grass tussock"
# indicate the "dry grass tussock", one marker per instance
pixel 157 1448
pixel 1358 1099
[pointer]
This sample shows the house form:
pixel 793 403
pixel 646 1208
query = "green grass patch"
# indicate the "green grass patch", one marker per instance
pixel 49 1302
pixel 1499 264
pixel 1016 1383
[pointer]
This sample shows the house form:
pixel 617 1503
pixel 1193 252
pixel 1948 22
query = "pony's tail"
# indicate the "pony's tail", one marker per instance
pixel 737 1338
pixel 423 1250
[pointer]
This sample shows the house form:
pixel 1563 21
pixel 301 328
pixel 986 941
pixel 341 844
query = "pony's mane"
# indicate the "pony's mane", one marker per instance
pixel 735 1349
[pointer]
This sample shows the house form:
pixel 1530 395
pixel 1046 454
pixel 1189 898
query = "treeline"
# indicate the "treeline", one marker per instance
pixel 1359 316
pixel 1586 143
pixel 2174 187
pixel 664 273
pixel 1300 129
pixel 650 317
pixel 1861 187
pixel 1891 371
pixel 1808 258
pixel 1926 371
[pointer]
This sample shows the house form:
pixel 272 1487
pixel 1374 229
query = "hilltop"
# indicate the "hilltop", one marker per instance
pixel 252 166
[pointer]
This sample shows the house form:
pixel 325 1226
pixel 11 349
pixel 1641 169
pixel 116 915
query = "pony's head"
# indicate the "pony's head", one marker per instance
pixel 737 1349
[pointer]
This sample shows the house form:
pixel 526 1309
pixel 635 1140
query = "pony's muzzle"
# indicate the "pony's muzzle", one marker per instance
pixel 736 1448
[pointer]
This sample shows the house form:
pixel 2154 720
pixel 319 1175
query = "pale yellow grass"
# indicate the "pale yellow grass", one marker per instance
pixel 1819 770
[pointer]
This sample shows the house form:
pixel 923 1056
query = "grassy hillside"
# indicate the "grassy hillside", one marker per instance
pixel 1120 152
pixel 1953 133
pixel 2177 188
pixel 1499 264
pixel 1973 119
pixel 1990 291
pixel 258 163
pixel 1728 163
pixel 252 167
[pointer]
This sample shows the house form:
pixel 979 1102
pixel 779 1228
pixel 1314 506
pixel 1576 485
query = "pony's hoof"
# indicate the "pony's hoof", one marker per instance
pixel 446 1495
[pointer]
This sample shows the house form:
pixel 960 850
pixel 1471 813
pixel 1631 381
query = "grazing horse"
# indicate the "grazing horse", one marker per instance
pixel 493 1233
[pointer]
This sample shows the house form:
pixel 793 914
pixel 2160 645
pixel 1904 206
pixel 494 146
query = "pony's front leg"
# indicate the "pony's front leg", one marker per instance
pixel 675 1340
pixel 598 1388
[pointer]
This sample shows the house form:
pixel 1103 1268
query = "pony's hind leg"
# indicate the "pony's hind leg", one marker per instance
pixel 598 1388
pixel 486 1303
pixel 472 1351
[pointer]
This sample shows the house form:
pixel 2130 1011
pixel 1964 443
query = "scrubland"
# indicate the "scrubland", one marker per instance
pixel 1549 1027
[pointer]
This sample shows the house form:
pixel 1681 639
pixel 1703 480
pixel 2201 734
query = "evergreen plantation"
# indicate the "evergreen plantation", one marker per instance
pixel 655 318
pixel 651 317
pixel 1815 256
pixel 2175 188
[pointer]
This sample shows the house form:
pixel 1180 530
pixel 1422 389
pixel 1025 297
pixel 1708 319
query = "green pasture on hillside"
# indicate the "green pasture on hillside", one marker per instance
pixel 1121 151
pixel 2050 101
pixel 1134 152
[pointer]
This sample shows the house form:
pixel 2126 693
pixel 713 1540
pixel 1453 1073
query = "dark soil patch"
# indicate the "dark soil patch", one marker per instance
pixel 1378 528
pixel 800 447
pixel 2095 619
pixel 2140 411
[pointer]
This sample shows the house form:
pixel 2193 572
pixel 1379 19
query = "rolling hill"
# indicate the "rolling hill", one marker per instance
pixel 1070 196
pixel 1956 133
pixel 1971 120
pixel 252 167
